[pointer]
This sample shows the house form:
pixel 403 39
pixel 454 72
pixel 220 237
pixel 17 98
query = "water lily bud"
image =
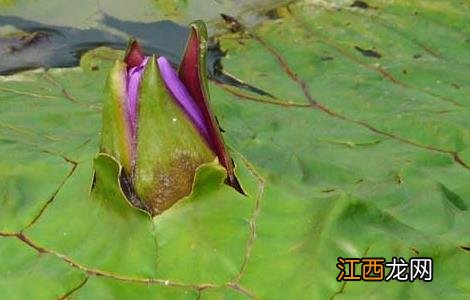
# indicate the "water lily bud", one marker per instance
pixel 158 125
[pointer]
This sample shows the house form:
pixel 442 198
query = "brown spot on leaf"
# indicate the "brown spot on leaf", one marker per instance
pixel 233 23
pixel 466 248
pixel 368 52
pixel 360 4
pixel 327 58
pixel 278 12
pixel 399 179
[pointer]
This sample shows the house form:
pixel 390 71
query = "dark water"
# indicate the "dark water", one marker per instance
pixel 61 46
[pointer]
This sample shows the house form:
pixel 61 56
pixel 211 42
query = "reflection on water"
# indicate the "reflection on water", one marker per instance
pixel 38 45
pixel 58 46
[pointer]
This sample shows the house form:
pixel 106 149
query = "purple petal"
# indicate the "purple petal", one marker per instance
pixel 133 82
pixel 182 96
pixel 174 85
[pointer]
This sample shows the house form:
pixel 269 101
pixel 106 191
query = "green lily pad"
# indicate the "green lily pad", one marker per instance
pixel 363 152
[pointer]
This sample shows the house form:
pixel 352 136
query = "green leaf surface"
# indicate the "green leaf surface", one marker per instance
pixel 356 156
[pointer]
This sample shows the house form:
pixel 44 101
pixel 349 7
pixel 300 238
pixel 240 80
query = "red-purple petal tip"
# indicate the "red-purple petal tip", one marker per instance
pixel 192 74
pixel 134 56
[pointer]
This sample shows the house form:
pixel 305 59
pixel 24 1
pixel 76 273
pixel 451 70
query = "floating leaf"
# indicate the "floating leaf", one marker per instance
pixel 353 156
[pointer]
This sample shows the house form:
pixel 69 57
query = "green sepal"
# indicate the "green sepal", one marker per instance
pixel 193 74
pixel 209 177
pixel 115 133
pixel 169 146
pixel 108 185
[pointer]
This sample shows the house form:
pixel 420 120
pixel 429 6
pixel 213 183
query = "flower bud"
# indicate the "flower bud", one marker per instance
pixel 159 127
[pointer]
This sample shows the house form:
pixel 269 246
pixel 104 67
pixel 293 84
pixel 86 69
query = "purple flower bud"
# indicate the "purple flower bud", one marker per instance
pixel 157 123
